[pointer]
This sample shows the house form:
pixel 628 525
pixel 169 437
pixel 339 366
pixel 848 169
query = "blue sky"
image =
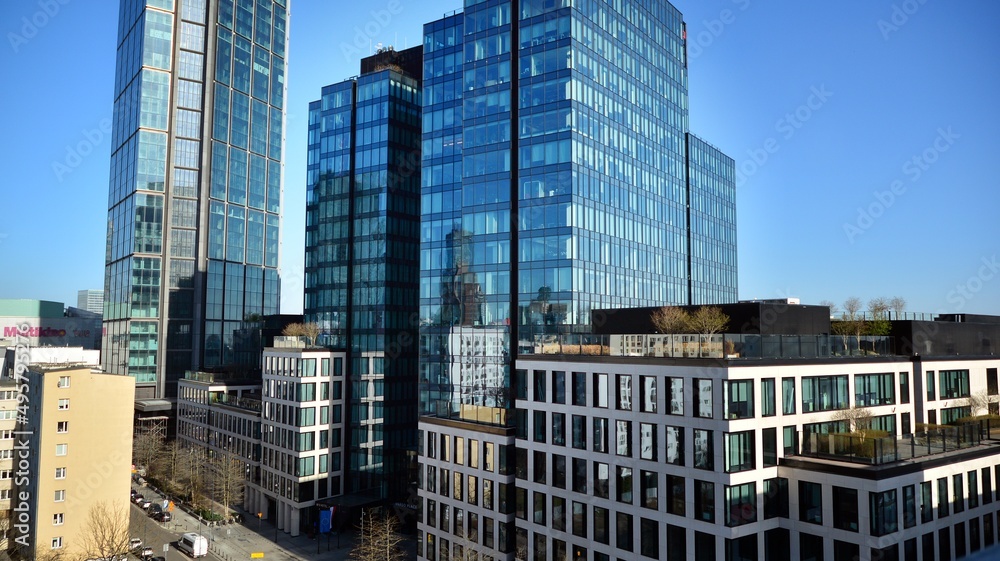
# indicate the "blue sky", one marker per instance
pixel 863 133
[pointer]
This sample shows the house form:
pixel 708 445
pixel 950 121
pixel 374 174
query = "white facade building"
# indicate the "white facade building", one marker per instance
pixel 618 457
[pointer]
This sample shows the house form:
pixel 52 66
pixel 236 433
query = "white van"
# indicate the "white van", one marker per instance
pixel 193 544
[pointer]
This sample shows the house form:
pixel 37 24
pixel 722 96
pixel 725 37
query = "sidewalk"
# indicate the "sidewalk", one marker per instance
pixel 237 541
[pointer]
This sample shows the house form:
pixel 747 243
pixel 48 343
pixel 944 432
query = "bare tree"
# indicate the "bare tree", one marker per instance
pixel 898 305
pixel 852 307
pixel 147 445
pixel 229 479
pixel 106 532
pixel 708 320
pixel 878 323
pixel 191 473
pixel 851 321
pixel 980 401
pixel 5 525
pixel 670 319
pixel 379 538
pixel 859 420
pixel 308 330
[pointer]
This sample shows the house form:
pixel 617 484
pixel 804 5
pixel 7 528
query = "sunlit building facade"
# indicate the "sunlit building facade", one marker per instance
pixel 196 184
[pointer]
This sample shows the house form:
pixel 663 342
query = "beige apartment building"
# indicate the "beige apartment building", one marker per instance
pixel 72 450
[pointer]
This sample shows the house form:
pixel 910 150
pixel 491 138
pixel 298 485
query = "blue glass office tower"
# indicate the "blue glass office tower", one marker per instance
pixel 195 191
pixel 362 219
pixel 558 177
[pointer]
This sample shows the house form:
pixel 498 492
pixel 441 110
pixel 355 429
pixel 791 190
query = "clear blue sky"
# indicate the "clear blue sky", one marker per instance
pixel 824 107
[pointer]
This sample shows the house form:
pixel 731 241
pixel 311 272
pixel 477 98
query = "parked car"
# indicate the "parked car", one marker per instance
pixel 135 543
pixel 137 498
pixel 133 493
pixel 144 504
pixel 163 516
pixel 146 552
pixel 154 509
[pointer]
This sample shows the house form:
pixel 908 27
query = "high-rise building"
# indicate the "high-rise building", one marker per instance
pixel 90 300
pixel 196 184
pixel 559 176
pixel 362 228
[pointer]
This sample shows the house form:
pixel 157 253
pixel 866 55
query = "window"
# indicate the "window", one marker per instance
pixel 740 504
pixel 602 476
pixel 845 508
pixel 624 383
pixel 677 540
pixel 520 384
pixel 704 449
pixel 740 451
pixel 579 388
pixel 824 393
pixel 539 425
pixel 788 396
pixel 874 389
pixel 767 397
pixel 61 449
pixel 703 398
pixel 624 485
pixel 558 387
pixel 647 397
pixel 789 441
pixel 942 497
pixel 64 404
pixel 623 438
pixel 904 387
pixel 930 385
pixel 5 474
pixel 60 495
pixel 847 550
pixel 739 399
pixel 811 547
pixel 57 543
pixel 676 405
pixel 649 535
pixel 61 473
pixel 909 506
pixel 648 481
pixel 926 503
pixel 958 490
pixel 704 501
pixel 777 545
pixel 704 546
pixel 579 432
pixel 811 502
pixel 769 440
pixel 57 519
pixel 579 475
pixel 63 382
pixel 987 486
pixel 601 390
pixel 579 519
pixel 558 429
pixel 647 441
pixel 675 495
pixel 623 533
pixel 539 378
pixel 991 382
pixel 973 489
pixel 675 445
pixel 600 435
pixel 62 426
pixel 775 498
pixel 884 519
pixel 954 384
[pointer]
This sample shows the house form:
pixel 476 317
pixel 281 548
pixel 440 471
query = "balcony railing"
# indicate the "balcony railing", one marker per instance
pixel 248 403
pixel 876 451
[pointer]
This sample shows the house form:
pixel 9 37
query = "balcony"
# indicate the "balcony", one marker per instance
pixel 881 450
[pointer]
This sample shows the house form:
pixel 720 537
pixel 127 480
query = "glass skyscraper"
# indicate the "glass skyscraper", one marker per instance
pixel 559 176
pixel 196 184
pixel 362 222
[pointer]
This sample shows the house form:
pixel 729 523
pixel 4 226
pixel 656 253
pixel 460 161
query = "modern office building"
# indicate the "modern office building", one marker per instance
pixel 559 176
pixel 47 324
pixel 287 429
pixel 361 263
pixel 195 193
pixel 90 300
pixel 76 441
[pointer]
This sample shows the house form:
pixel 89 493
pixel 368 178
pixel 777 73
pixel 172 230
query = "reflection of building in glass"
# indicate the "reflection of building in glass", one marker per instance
pixel 362 225
pixel 195 193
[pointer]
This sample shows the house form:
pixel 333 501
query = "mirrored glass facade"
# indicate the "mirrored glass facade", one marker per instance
pixel 195 191
pixel 558 177
pixel 362 219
